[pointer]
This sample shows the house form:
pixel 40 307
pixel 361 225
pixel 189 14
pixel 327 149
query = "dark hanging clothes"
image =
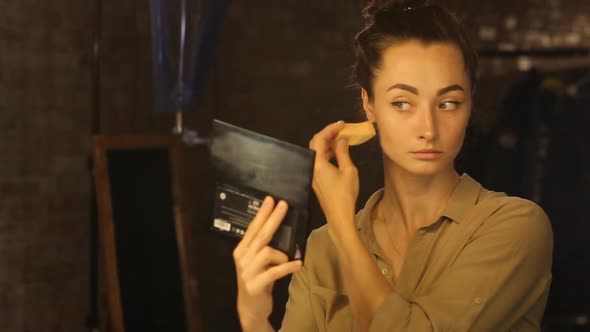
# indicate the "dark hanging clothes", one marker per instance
pixel 540 150
pixel 511 137
pixel 566 199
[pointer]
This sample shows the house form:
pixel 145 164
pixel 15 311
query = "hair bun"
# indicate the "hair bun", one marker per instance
pixel 376 7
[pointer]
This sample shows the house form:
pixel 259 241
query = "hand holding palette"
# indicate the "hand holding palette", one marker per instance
pixel 248 167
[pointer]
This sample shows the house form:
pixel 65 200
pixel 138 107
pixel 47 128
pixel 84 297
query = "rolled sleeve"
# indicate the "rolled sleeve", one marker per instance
pixel 395 314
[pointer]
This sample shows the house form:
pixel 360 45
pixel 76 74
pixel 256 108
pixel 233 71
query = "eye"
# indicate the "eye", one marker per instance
pixel 401 106
pixel 449 105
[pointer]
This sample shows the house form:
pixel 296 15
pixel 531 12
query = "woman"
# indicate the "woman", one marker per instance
pixel 432 250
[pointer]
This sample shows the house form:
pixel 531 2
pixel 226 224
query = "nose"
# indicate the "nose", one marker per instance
pixel 428 125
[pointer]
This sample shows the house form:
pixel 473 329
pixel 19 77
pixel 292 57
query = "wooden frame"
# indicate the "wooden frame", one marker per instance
pixel 112 316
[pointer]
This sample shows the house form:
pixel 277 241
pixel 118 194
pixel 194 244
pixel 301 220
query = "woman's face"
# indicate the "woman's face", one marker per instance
pixel 421 104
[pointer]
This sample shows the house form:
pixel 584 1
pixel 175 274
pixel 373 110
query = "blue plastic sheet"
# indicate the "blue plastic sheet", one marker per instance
pixel 184 39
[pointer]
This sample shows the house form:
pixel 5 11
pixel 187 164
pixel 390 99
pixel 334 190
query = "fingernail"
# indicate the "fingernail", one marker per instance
pixel 340 121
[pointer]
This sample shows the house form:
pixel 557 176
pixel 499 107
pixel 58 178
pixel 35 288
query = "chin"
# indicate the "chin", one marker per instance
pixel 422 168
pixel 425 171
pixel 425 168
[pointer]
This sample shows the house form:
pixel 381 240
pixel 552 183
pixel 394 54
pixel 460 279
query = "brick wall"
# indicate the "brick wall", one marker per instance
pixel 44 125
pixel 282 69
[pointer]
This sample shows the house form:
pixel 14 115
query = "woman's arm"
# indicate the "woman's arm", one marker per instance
pixel 336 188
pixel 364 283
pixel 258 266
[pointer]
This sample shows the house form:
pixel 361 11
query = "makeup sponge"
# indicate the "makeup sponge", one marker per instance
pixel 357 133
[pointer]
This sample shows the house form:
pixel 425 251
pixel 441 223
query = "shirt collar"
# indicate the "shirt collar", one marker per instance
pixel 363 219
pixel 463 197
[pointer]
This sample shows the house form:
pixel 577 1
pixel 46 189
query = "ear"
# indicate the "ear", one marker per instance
pixel 367 106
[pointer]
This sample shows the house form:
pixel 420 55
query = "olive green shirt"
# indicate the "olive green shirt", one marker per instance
pixel 484 265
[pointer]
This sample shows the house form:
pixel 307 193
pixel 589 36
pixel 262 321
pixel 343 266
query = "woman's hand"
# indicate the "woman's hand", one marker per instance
pixel 258 266
pixel 336 187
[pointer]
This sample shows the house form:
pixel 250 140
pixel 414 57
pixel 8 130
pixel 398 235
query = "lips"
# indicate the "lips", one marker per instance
pixel 427 154
pixel 427 151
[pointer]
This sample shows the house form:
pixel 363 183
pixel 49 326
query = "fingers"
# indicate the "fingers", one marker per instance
pixel 268 228
pixel 268 277
pixel 265 258
pixel 263 214
pixel 343 155
pixel 321 143
pixel 261 230
pixel 279 271
pixel 260 272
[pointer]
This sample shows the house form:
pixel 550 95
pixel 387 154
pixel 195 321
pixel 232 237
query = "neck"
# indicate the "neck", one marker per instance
pixel 414 201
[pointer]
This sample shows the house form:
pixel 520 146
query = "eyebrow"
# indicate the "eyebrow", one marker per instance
pixel 411 89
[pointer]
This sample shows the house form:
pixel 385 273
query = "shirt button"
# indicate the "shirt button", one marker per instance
pixel 384 271
pixel 478 300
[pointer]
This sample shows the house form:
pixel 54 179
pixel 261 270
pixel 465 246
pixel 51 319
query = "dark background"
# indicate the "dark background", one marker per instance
pixel 282 68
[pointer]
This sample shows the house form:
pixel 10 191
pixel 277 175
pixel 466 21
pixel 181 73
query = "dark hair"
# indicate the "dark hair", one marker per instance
pixel 390 21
